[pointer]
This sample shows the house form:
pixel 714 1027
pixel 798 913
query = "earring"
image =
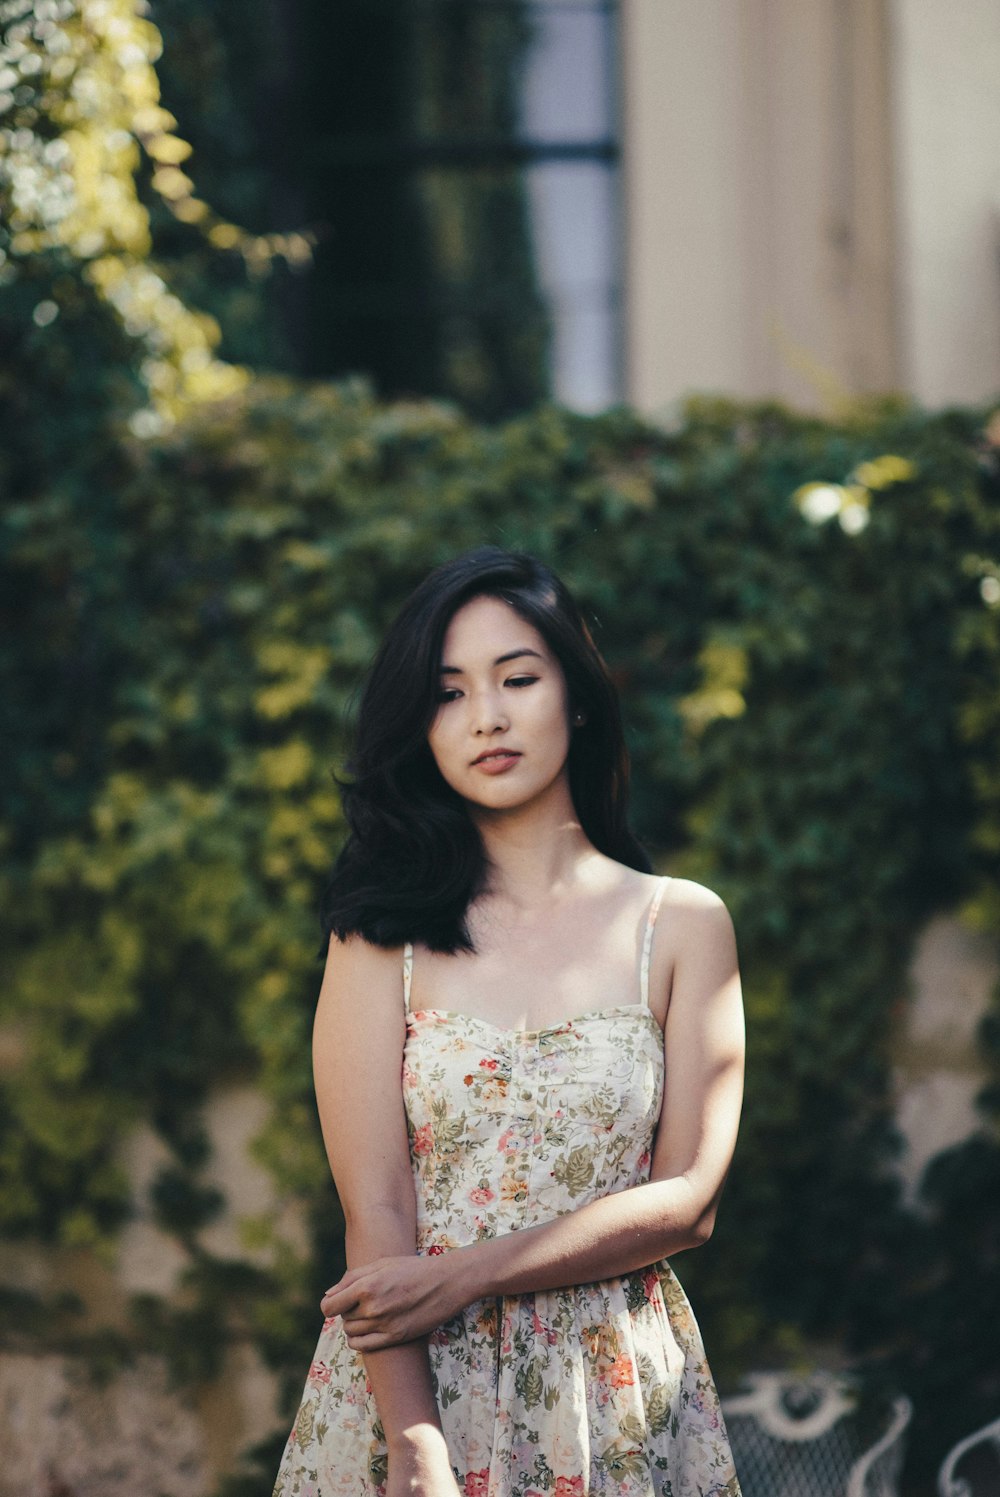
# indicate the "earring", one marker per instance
pixel 578 719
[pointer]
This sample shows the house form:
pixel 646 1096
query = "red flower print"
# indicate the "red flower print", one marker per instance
pixel 319 1372
pixel 435 1250
pixel 423 1139
pixel 505 1142
pixel 489 1065
pixel 650 1283
pixel 468 1080
pixel 569 1486
pixel 476 1482
pixel 481 1195
pixel 331 1320
pixel 621 1372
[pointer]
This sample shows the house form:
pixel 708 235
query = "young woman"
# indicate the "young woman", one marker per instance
pixel 529 1105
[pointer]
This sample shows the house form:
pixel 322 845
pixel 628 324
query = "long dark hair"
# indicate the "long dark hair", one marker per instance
pixel 414 860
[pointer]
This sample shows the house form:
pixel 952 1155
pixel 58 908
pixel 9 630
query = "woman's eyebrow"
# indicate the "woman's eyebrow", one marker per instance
pixel 456 670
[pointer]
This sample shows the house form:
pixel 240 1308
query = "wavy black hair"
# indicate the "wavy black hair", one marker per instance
pixel 414 860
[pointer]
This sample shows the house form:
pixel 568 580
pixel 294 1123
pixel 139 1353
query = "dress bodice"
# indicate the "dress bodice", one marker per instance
pixel 510 1127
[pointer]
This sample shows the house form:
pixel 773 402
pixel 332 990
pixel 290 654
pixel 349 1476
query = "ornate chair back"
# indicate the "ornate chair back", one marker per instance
pixel 803 1437
pixel 972 1467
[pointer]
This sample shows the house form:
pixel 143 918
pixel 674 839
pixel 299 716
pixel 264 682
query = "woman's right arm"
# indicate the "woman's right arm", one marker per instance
pixel 358 1038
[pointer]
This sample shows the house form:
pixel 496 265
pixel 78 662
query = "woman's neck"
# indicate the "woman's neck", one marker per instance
pixel 536 853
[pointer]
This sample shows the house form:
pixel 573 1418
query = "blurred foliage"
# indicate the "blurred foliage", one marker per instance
pixel 82 132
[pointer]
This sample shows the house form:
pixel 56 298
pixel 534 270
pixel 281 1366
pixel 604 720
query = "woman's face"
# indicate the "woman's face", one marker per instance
pixel 501 734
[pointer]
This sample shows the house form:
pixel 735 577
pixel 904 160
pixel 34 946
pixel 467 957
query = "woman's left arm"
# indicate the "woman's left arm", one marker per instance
pixel 395 1299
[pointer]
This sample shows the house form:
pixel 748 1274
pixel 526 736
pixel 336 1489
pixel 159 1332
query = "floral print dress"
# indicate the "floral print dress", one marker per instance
pixel 601 1388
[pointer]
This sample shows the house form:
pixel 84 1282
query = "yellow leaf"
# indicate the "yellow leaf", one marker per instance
pixel 170 150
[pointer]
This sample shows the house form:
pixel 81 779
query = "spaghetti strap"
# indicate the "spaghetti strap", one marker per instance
pixel 407 974
pixel 647 941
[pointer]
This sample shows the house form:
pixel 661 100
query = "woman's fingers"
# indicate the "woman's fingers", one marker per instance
pixel 373 1340
pixel 342 1296
pixel 356 1309
pixel 364 1328
pixel 337 1304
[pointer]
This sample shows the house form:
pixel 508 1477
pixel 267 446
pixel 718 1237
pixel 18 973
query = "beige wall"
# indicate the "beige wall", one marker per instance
pixel 946 132
pixel 938 1068
pixel 684 200
pixel 811 198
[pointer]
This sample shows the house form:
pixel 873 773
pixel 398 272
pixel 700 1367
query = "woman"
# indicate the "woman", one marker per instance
pixel 528 1104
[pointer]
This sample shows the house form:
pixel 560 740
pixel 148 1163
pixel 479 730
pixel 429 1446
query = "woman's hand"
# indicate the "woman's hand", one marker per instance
pixel 396 1299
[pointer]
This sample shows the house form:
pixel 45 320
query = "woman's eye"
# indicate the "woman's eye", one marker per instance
pixel 448 694
pixel 521 680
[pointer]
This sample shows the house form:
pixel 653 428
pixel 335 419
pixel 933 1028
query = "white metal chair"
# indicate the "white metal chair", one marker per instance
pixel 972 1467
pixel 801 1437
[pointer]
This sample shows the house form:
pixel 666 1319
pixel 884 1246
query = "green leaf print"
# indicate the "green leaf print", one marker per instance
pixel 604 1108
pixel 658 1410
pixel 621 1461
pixel 632 1429
pixel 304 1424
pixel 447 1130
pixel 575 1170
pixel 635 1292
pixel 542 1475
pixel 551 1396
pixel 450 1393
pixel 528 1384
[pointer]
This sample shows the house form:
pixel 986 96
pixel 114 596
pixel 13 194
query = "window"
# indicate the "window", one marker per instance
pixel 463 157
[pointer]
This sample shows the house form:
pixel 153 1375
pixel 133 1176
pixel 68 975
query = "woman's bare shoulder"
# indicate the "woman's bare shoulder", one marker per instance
pixel 686 893
pixel 360 967
pixel 700 921
pixel 680 893
pixel 353 953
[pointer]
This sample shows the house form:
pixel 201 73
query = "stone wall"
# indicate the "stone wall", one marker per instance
pixel 938 1069
pixel 63 1434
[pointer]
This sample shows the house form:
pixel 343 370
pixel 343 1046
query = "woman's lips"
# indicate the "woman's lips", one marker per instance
pixel 496 763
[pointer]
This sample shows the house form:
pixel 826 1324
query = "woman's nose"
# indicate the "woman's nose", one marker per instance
pixel 490 714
